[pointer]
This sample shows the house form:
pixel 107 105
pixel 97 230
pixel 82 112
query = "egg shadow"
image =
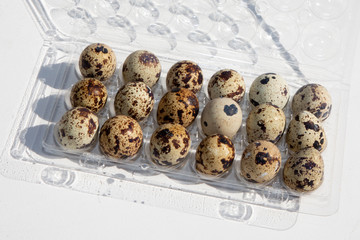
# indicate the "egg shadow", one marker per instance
pixel 42 105
pixel 32 138
pixel 58 75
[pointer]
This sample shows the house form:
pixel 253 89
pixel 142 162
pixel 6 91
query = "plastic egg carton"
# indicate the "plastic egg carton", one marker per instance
pixel 304 41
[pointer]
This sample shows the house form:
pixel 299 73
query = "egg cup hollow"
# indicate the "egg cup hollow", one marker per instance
pixel 246 182
pixel 120 77
pixel 199 128
pixel 89 147
pixel 77 71
pixel 182 175
pixel 67 100
pixel 163 168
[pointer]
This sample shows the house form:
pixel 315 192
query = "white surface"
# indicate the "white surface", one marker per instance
pixel 30 211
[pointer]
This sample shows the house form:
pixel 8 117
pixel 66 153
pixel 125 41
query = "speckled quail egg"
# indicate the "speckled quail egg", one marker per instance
pixel 169 144
pixel 89 93
pixel 185 74
pixel 120 137
pixel 134 99
pixel 269 88
pixel 142 66
pixel 97 61
pixel 221 116
pixel 260 162
pixel 313 98
pixel 77 128
pixel 265 122
pixel 227 83
pixel 305 130
pixel 179 105
pixel 214 155
pixel 304 170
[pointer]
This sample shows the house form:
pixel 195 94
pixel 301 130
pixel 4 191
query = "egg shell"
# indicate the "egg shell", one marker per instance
pixel 98 61
pixel 214 155
pixel 304 170
pixel 221 116
pixel 313 98
pixel 185 74
pixel 305 130
pixel 260 162
pixel 179 105
pixel 227 83
pixel 265 122
pixel 77 128
pixel 269 88
pixel 120 137
pixel 169 145
pixel 142 66
pixel 89 93
pixel 134 99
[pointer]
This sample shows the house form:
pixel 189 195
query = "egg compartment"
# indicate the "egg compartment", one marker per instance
pixel 251 37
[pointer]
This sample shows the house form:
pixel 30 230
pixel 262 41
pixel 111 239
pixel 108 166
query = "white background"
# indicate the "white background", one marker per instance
pixel 30 211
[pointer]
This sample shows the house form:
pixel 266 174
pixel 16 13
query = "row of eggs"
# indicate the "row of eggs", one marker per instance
pixel 121 136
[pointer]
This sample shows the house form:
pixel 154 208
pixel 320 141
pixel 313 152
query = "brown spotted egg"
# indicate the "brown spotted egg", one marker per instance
pixel 134 99
pixel 89 93
pixel 260 162
pixel 77 128
pixel 185 74
pixel 304 170
pixel 313 98
pixel 120 137
pixel 142 66
pixel 214 155
pixel 269 88
pixel 98 61
pixel 305 130
pixel 169 145
pixel 227 83
pixel 265 122
pixel 221 116
pixel 179 105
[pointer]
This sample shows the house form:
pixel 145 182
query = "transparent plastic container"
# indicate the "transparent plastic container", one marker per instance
pixel 304 41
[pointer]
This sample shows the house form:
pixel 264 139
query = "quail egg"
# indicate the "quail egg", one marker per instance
pixel 221 116
pixel 169 144
pixel 227 83
pixel 313 98
pixel 265 122
pixel 179 105
pixel 305 130
pixel 89 93
pixel 77 129
pixel 97 61
pixel 120 137
pixel 304 170
pixel 269 88
pixel 185 74
pixel 214 155
pixel 142 66
pixel 134 99
pixel 260 162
